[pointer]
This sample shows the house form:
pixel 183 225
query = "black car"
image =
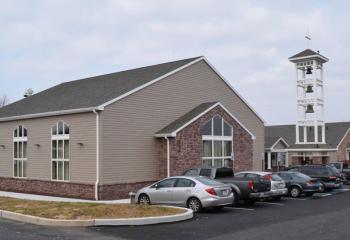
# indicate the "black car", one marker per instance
pixel 299 183
pixel 324 173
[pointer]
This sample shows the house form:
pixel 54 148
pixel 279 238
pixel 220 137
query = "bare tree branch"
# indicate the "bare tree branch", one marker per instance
pixel 4 100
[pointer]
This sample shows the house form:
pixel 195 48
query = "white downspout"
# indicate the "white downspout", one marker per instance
pixel 168 155
pixel 97 152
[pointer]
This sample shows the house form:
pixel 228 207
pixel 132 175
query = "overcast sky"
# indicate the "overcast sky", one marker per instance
pixel 43 43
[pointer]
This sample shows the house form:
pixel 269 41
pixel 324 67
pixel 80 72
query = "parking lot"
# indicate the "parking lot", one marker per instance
pixel 323 216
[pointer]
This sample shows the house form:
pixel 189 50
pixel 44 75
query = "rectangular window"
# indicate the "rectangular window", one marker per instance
pixel 227 148
pixel 217 148
pixel 60 160
pixel 207 148
pixel 19 158
pixel 54 149
pixel 66 149
pixel 60 149
pixel 217 143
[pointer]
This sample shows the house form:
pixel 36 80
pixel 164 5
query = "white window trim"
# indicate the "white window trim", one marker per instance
pixel 56 138
pixel 18 140
pixel 213 138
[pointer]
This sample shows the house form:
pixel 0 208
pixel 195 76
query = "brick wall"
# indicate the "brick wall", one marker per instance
pixel 341 153
pixel 70 190
pixel 120 191
pixel 186 147
pixel 50 188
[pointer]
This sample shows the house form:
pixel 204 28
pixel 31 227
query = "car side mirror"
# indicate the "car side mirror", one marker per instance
pixel 156 186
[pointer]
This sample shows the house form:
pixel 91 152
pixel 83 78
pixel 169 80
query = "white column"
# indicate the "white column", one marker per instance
pixel 269 160
pixel 323 133
pixel 305 134
pixel 297 133
pixel 315 102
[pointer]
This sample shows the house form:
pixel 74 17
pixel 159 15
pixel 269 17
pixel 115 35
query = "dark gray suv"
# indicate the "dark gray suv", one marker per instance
pixel 324 173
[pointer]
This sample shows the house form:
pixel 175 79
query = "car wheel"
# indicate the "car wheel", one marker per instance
pixel 294 192
pixel 235 201
pixel 249 202
pixel 144 200
pixel 194 204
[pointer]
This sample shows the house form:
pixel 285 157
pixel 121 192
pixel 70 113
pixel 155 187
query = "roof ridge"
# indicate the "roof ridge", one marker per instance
pixel 132 69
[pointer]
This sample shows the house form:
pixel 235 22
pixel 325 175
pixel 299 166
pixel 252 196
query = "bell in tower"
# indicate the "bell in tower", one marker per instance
pixel 309 109
pixel 309 89
pixel 309 70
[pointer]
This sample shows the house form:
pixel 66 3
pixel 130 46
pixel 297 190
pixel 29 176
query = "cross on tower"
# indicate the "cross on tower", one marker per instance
pixel 308 39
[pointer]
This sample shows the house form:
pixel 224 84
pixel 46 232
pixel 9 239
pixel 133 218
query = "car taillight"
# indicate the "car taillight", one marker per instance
pixel 332 177
pixel 211 191
pixel 309 183
pixel 251 185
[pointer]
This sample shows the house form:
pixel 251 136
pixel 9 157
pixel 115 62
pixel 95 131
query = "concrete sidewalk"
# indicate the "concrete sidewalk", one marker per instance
pixel 58 199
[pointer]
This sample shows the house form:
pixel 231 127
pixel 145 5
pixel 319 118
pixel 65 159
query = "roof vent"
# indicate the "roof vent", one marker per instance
pixel 29 92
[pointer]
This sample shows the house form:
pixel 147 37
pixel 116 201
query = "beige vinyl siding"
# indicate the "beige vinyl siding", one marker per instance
pixel 129 153
pixel 82 159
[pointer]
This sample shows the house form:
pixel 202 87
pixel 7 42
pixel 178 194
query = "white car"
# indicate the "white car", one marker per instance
pixel 191 192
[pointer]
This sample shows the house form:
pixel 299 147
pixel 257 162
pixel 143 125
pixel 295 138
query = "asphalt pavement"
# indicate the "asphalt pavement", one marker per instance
pixel 325 216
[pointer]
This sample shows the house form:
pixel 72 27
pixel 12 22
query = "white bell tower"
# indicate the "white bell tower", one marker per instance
pixel 310 126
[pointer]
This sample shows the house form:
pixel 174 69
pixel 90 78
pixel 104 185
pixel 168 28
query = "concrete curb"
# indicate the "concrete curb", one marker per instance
pixel 97 222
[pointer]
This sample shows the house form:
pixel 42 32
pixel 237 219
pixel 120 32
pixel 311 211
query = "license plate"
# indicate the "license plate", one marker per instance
pixel 225 192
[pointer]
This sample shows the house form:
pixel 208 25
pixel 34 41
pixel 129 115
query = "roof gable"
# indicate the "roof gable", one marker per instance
pixel 95 93
pixel 174 127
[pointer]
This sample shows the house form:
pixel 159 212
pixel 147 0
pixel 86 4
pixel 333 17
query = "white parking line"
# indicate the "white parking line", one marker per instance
pixel 325 195
pixel 298 199
pixel 341 190
pixel 271 203
pixel 247 209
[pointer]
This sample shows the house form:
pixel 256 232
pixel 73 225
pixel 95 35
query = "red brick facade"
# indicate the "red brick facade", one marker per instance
pixel 186 147
pixel 341 153
pixel 120 191
pixel 50 188
pixel 71 190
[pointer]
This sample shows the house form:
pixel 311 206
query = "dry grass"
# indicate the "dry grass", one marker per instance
pixel 82 211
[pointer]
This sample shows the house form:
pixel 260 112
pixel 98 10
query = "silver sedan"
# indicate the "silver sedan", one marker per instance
pixel 191 192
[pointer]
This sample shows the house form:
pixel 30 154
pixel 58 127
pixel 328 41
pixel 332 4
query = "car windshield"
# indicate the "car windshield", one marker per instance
pixel 208 181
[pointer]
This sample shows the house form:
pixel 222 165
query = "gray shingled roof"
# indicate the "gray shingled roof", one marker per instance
pixel 89 92
pixel 173 126
pixel 305 53
pixel 334 133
